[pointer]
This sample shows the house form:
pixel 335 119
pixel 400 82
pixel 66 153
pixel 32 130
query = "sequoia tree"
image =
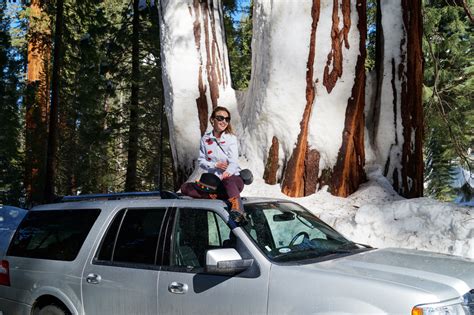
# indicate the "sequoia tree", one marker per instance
pixel 301 123
pixel 37 102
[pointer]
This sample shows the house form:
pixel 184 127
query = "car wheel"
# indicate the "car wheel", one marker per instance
pixel 52 310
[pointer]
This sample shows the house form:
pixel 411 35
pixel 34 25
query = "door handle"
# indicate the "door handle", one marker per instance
pixel 178 288
pixel 93 278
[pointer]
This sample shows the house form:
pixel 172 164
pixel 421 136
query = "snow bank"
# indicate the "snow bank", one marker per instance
pixel 376 215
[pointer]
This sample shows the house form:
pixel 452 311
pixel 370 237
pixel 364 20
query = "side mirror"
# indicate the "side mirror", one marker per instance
pixel 226 261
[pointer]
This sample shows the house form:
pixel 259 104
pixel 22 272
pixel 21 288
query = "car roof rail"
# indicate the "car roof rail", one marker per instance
pixel 164 194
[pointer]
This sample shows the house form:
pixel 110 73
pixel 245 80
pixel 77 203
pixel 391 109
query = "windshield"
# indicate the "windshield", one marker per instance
pixel 285 232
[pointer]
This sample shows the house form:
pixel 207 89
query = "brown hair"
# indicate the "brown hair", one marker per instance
pixel 222 109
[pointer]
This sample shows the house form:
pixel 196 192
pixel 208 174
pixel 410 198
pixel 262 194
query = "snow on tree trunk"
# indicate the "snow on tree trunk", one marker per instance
pixel 196 75
pixel 398 114
pixel 303 116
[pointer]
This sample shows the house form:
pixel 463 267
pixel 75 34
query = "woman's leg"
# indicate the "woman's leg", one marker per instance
pixel 233 186
pixel 190 190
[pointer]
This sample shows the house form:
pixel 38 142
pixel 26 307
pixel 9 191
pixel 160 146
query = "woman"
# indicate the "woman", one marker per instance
pixel 219 155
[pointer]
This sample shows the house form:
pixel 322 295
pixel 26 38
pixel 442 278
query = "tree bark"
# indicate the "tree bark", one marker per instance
pixel 326 93
pixel 131 177
pixel 294 181
pixel 398 130
pixel 349 170
pixel 196 75
pixel 412 104
pixel 53 117
pixel 37 107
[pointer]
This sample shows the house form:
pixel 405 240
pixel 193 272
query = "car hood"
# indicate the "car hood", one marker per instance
pixel 434 273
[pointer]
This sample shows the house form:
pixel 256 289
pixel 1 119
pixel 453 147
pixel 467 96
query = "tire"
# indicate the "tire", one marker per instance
pixel 53 309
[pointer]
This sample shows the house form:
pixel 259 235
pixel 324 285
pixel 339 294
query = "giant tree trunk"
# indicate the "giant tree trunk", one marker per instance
pixel 37 107
pixel 196 75
pixel 398 112
pixel 302 118
pixel 53 117
pixel 131 177
pixel 309 91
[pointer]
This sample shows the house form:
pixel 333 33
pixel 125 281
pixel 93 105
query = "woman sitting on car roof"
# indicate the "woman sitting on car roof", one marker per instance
pixel 218 157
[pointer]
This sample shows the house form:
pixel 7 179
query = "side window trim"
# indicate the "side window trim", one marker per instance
pixel 215 216
pixel 165 235
pixel 117 234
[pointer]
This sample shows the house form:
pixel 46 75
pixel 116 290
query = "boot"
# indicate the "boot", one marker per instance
pixel 237 210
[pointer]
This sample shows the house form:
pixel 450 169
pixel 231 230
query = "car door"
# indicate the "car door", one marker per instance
pixel 185 288
pixel 122 277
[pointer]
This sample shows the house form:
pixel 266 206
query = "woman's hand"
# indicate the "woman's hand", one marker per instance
pixel 222 165
pixel 226 175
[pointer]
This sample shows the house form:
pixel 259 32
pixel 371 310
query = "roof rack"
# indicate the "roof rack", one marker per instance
pixel 164 194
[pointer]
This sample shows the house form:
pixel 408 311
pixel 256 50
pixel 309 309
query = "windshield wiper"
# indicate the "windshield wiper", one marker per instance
pixel 350 243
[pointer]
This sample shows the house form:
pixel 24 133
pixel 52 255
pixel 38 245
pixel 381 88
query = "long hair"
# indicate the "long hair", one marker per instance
pixel 222 109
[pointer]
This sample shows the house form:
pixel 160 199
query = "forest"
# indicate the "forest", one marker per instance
pixel 87 103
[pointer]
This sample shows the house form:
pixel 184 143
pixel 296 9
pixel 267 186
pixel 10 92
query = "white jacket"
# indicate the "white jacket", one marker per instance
pixel 213 150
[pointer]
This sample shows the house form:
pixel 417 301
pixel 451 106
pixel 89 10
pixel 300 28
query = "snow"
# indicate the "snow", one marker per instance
pixel 376 215
pixel 183 60
pixel 277 92
pixel 389 132
pixel 274 104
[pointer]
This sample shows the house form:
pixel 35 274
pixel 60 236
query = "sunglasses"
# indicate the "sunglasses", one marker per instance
pixel 222 118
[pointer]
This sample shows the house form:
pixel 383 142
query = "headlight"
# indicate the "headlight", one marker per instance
pixel 460 306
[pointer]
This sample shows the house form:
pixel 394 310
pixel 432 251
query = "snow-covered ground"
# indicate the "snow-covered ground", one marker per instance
pixel 376 215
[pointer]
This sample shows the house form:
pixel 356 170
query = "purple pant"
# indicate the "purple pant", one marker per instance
pixel 231 187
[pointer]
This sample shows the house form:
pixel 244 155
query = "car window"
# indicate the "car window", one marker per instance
pixel 108 242
pixel 10 218
pixel 285 232
pixel 195 232
pixel 55 235
pixel 133 236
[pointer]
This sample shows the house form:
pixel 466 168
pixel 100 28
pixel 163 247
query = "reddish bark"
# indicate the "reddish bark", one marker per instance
pixel 337 37
pixel 294 183
pixel 411 103
pixel 311 165
pixel 216 52
pixel 349 170
pixel 37 108
pixel 201 101
pixel 214 70
pixel 271 167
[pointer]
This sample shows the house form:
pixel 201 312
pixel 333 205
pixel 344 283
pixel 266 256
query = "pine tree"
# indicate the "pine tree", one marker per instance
pixel 11 158
pixel 448 94
pixel 239 40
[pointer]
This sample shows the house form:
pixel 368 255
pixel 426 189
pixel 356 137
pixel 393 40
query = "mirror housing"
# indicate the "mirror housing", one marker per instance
pixel 226 261
pixel 285 216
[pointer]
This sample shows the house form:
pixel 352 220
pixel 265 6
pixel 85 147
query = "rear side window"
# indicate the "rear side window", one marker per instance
pixel 55 235
pixel 133 236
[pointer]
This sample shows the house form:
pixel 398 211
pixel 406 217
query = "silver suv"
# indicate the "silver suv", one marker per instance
pixel 184 256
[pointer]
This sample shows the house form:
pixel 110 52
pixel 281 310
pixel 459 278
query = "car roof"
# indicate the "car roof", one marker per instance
pixel 148 202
